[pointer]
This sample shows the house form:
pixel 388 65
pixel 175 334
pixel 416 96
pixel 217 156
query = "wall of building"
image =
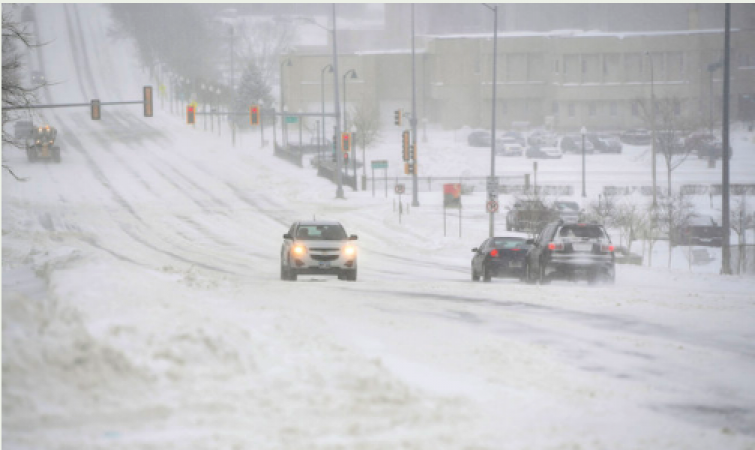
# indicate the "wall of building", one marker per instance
pixel 571 79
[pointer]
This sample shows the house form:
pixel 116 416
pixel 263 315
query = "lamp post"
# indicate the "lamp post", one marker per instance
pixel 583 131
pixel 652 129
pixel 284 140
pixel 218 111
pixel 345 115
pixel 494 100
pixel 339 155
pixel 329 68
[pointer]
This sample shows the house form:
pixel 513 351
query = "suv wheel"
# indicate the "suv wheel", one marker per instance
pixel 351 275
pixel 475 277
pixel 542 279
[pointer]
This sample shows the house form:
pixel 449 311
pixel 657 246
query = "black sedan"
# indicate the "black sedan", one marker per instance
pixel 500 257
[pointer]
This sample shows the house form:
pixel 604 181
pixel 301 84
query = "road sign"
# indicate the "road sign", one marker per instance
pixel 492 206
pixel 292 119
pixel 399 188
pixel 380 164
pixel 492 184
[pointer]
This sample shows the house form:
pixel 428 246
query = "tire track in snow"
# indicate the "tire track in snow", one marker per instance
pixel 74 52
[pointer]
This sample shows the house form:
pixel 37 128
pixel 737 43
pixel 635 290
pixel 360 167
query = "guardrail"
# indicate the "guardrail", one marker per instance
pixel 288 155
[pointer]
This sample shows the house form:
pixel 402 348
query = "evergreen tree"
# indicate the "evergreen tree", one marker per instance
pixel 252 90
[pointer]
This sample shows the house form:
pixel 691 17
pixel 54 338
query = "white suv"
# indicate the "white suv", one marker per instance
pixel 318 248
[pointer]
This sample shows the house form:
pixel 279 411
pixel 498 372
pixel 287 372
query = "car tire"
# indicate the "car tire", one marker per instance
pixel 351 275
pixel 541 278
pixel 486 277
pixel 527 275
pixel 292 275
pixel 284 274
pixel 30 154
pixel 56 154
pixel 475 277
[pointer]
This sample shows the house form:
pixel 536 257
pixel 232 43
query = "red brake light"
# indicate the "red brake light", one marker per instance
pixel 515 249
pixel 606 248
pixel 555 246
pixel 494 253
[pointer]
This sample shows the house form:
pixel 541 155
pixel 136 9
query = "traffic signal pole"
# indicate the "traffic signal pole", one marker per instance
pixel 413 121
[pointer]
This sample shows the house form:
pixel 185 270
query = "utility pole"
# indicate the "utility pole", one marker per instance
pixel 494 101
pixel 726 250
pixel 413 120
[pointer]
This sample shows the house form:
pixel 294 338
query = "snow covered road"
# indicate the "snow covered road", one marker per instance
pixel 142 308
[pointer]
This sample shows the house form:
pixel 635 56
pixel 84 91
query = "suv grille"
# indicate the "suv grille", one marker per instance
pixel 324 257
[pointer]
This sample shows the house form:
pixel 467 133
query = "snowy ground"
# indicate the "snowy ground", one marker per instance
pixel 142 306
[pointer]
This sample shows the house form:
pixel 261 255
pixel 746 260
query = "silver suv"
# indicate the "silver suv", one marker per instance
pixel 318 248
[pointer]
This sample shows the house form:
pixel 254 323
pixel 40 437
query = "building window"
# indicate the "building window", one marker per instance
pixel 614 109
pixel 554 108
pixel 555 66
pixel 592 108
pixel 635 109
pixel 503 108
pixel 584 65
pixel 677 107
pixel 572 109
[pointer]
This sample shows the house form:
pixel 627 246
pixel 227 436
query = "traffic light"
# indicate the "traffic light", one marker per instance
pixel 346 142
pixel 405 147
pixel 147 101
pixel 254 115
pixel 397 117
pixel 96 110
pixel 345 158
pixel 190 119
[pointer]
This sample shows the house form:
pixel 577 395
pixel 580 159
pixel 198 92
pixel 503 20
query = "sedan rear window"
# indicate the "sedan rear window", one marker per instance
pixel 510 242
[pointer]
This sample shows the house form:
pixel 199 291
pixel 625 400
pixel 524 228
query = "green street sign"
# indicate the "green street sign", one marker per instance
pixel 292 119
pixel 380 164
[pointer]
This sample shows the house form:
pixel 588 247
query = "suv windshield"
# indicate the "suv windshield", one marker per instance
pixel 321 232
pixel 582 231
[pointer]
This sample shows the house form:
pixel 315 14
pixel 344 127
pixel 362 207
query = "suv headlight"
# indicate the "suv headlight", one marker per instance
pixel 299 250
pixel 349 251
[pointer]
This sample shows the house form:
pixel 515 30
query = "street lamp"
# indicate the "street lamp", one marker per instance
pixel 284 140
pixel 652 120
pixel 492 127
pixel 329 68
pixel 583 132
pixel 353 76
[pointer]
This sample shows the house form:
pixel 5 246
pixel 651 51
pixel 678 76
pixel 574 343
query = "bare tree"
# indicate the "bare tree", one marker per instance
pixel 630 218
pixel 264 42
pixel 604 210
pixel 740 222
pixel 677 212
pixel 15 94
pixel 672 125
pixel 367 121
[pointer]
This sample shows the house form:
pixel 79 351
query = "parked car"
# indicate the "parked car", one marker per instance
pixel 318 248
pixel 573 144
pixel 604 143
pixel 37 78
pixel 508 147
pixel 705 145
pixel 568 211
pixel 623 256
pixel 536 151
pixel 500 257
pixel 542 138
pixel 479 139
pixel 636 137
pixel 528 215
pixel 571 252
pixel 517 136
pixel 702 230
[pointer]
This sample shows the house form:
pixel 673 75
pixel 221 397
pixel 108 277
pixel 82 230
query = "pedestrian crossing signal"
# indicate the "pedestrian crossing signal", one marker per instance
pixel 190 116
pixel 254 115
pixel 397 117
